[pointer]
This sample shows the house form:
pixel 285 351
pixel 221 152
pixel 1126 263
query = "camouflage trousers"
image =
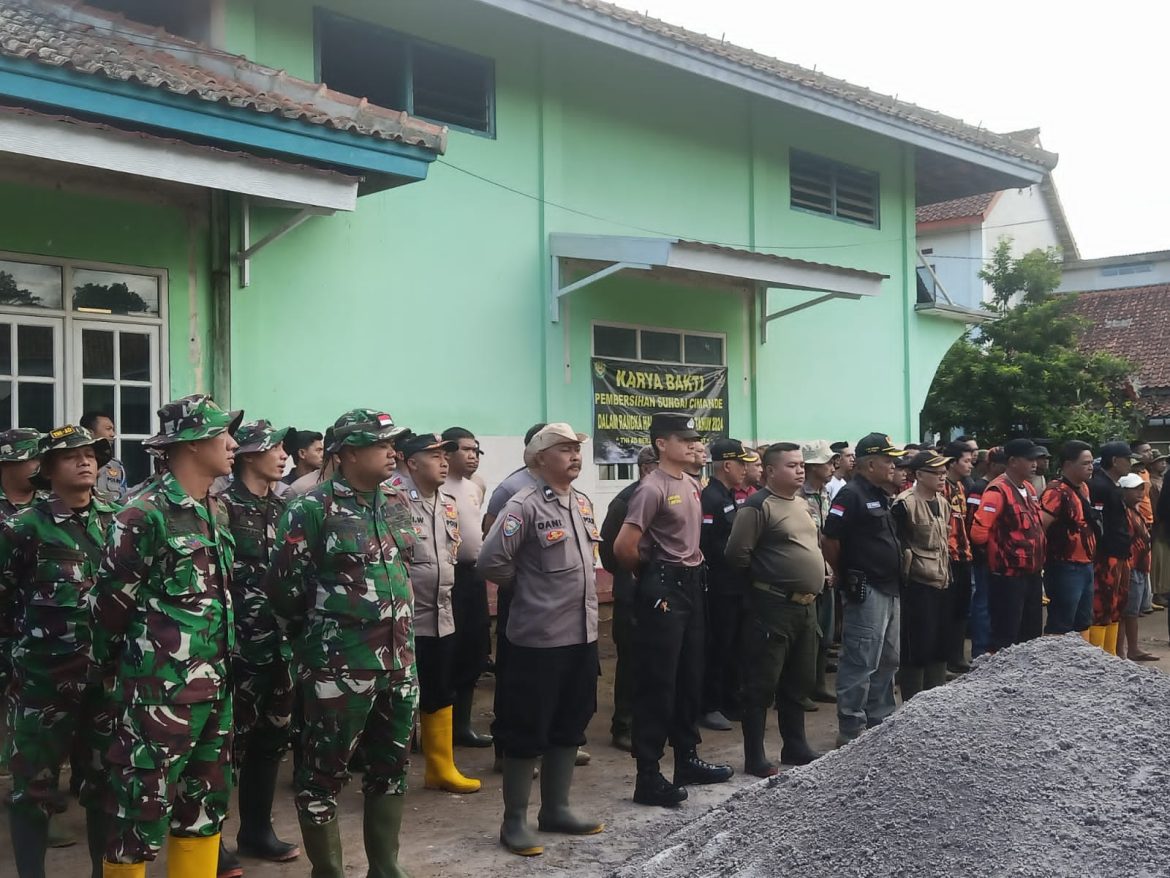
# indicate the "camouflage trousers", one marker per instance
pixel 262 707
pixel 345 709
pixel 55 714
pixel 170 772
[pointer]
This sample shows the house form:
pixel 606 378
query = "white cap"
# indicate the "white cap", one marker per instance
pixel 1131 480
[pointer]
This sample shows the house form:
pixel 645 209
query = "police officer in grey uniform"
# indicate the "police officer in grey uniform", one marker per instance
pixel 543 546
pixel 111 483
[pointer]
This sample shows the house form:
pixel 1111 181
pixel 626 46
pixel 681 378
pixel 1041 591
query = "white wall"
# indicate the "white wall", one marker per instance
pixel 1023 216
pixel 1093 277
pixel 956 259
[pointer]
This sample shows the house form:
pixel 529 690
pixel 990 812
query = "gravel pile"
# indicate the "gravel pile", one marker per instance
pixel 1048 759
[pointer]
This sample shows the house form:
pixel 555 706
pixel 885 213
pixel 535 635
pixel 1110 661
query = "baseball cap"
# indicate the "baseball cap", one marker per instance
pixel 1025 448
pixel 750 455
pixel 254 437
pixel 1116 449
pixel 1131 480
pixel 673 424
pixel 420 442
pixel 928 460
pixel 190 419
pixel 817 451
pixel 878 443
pixel 362 428
pixel 729 449
pixel 19 444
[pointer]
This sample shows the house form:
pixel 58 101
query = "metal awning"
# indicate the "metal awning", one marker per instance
pixel 695 263
pixel 955 312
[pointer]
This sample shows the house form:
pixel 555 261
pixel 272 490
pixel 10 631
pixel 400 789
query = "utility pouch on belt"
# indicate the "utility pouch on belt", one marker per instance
pixel 855 587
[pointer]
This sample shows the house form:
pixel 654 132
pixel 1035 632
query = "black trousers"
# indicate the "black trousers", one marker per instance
pixel 547 696
pixel 724 632
pixel 623 641
pixel 503 647
pixel 925 624
pixel 668 645
pixel 473 627
pixel 434 658
pixel 1016 605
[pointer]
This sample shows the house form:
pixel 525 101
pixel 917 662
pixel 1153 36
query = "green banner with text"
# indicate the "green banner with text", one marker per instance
pixel 626 394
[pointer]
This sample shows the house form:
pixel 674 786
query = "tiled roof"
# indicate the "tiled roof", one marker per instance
pixel 67 34
pixel 817 81
pixel 974 206
pixel 1133 323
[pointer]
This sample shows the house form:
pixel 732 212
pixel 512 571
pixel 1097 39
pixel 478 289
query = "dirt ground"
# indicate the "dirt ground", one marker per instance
pixel 456 836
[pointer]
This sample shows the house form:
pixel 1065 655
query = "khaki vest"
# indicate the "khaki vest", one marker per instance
pixel 925 554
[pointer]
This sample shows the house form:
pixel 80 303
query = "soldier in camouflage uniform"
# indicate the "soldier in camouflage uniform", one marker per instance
pixel 340 589
pixel 20 450
pixel 262 684
pixel 49 555
pixel 163 627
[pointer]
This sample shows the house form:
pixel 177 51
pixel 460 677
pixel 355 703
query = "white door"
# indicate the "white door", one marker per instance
pixel 30 363
pixel 116 368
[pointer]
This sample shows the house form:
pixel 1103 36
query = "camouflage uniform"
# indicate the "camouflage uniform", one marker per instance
pixel 163 625
pixel 340 589
pixel 262 683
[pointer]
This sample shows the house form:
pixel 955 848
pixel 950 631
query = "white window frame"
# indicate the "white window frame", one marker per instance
pixel 71 397
pixel 53 323
pixel 669 330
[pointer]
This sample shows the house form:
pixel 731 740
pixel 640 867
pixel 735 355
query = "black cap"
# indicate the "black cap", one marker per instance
pixel 1116 449
pixel 673 424
pixel 878 443
pixel 420 442
pixel 1025 448
pixel 928 460
pixel 532 431
pixel 729 449
pixel 838 447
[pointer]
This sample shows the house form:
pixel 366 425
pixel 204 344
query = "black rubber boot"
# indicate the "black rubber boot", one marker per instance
pixel 465 735
pixel 257 789
pixel 381 828
pixel 651 788
pixel 909 681
pixel 556 779
pixel 796 749
pixel 755 757
pixel 323 848
pixel 229 864
pixel 934 674
pixel 515 834
pixel 96 827
pixel 30 840
pixel 690 769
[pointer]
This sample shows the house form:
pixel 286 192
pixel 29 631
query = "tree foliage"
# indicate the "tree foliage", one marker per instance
pixel 11 293
pixel 1025 374
pixel 116 297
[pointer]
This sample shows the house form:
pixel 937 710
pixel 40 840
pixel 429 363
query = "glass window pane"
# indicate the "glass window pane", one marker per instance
pixel 34 350
pixel 6 405
pixel 97 353
pixel 135 356
pixel 36 406
pixel 615 341
pixel 704 350
pixel 5 348
pixel 661 346
pixel 135 414
pixel 135 460
pixel 115 292
pixel 31 285
pixel 98 398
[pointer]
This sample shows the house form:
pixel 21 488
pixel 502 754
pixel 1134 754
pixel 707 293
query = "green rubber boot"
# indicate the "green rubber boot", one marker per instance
pixel 556 779
pixel 381 826
pixel 515 833
pixel 323 848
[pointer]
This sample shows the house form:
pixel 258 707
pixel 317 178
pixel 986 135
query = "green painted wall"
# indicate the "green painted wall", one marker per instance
pixel 434 293
pixel 146 232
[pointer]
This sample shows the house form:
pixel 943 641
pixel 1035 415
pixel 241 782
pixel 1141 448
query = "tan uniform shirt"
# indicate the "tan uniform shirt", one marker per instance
pixel 669 513
pixel 544 546
pixel 431 560
pixel 469 501
pixel 776 539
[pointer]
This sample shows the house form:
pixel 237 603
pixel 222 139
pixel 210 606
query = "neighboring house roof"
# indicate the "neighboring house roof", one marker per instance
pixel 1123 259
pixel 971 207
pixel 1133 323
pixel 819 82
pixel 67 34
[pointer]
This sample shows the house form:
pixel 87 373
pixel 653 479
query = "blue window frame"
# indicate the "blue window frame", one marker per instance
pixel 402 72
pixel 820 185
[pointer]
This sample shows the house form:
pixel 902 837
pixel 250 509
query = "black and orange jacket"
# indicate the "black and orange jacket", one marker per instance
pixel 1008 523
pixel 958 537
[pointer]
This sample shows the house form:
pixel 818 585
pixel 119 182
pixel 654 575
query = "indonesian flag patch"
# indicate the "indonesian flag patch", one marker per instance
pixel 837 509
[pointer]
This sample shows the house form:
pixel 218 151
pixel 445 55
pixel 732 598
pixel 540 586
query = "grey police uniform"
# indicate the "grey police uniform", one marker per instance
pixel 431 562
pixel 544 547
pixel 111 482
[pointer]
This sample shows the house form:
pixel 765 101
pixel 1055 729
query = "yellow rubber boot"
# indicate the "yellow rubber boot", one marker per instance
pixel 1111 638
pixel 1085 634
pixel 1097 635
pixel 439 751
pixel 123 870
pixel 192 857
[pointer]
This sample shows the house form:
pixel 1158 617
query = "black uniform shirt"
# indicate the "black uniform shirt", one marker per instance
pixel 718 514
pixel 1109 500
pixel 860 520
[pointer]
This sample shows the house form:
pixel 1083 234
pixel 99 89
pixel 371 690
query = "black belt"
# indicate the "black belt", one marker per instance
pixel 802 598
pixel 681 572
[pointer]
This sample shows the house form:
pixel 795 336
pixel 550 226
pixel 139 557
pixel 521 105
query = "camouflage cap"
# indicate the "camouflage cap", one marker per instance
pixel 257 436
pixel 19 444
pixel 190 419
pixel 362 427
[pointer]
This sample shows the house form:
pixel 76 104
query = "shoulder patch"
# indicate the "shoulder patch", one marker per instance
pixel 511 525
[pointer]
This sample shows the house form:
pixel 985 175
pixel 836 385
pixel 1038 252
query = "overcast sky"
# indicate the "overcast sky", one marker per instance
pixel 1093 79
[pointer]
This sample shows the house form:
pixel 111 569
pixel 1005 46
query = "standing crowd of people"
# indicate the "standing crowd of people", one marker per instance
pixel 174 640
